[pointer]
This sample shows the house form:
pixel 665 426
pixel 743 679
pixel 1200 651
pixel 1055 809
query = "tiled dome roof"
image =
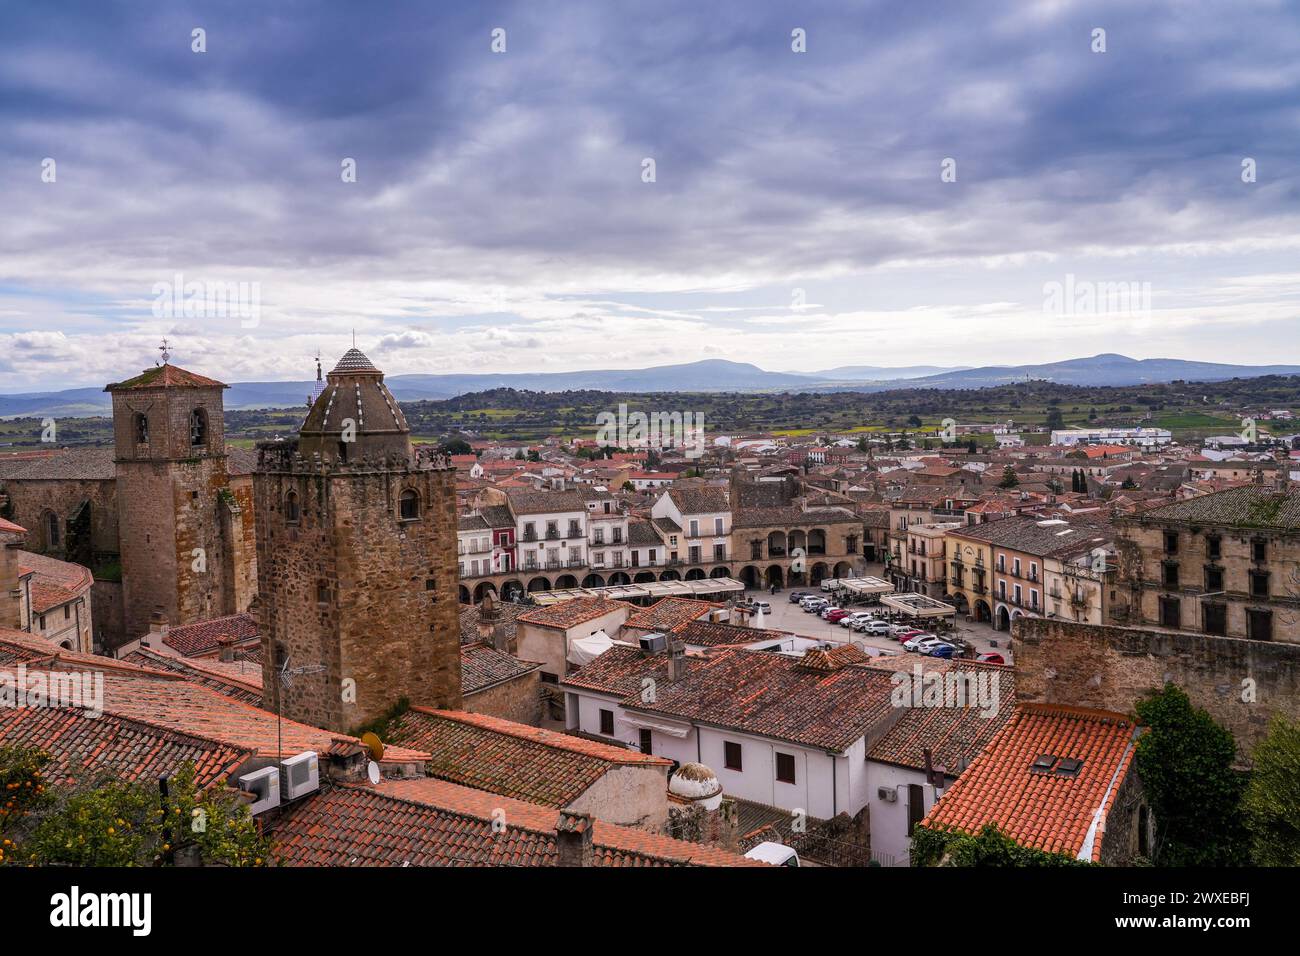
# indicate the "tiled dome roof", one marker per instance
pixel 353 361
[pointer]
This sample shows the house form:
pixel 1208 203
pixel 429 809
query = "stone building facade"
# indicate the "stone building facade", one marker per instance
pixel 162 519
pixel 1227 564
pixel 357 572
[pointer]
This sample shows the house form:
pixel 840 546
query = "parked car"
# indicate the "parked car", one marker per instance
pixel 837 615
pixel 825 612
pixel 927 644
pixel 897 629
pixel 878 628
pixel 815 607
pixel 941 650
pixel 913 642
pixel 761 606
pixel 991 659
pixel 797 596
pixel 905 636
pixel 855 617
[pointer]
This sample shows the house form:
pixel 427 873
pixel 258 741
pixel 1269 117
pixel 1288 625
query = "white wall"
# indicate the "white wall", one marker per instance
pixel 889 820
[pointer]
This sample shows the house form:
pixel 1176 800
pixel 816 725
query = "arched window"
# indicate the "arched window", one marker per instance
pixel 410 505
pixel 141 428
pixel 51 521
pixel 198 427
pixel 291 510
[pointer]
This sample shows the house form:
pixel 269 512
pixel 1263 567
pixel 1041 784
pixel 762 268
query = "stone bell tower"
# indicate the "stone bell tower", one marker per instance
pixel 357 572
pixel 176 516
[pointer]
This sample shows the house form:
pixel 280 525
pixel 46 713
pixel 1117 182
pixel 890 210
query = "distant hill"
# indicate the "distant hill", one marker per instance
pixel 711 375
pixel 1106 369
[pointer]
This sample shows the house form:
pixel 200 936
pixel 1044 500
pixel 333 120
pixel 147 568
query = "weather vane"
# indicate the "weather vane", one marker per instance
pixel 166 355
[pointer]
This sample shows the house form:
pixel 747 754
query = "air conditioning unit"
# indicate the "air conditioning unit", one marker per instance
pixel 301 775
pixel 654 643
pixel 264 784
pixel 888 794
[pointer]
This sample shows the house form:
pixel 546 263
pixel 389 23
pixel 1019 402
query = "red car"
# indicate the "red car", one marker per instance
pixel 991 659
pixel 908 635
pixel 836 616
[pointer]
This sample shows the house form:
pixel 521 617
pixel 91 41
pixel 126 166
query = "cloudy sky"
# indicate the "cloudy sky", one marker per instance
pixel 500 217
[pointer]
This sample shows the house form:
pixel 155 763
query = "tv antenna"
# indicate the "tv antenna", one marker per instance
pixel 284 678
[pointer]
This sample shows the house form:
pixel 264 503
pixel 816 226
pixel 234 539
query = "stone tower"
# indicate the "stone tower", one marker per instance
pixel 176 515
pixel 357 572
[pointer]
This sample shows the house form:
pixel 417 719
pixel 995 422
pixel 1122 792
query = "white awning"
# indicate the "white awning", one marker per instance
pixel 584 650
pixel 662 726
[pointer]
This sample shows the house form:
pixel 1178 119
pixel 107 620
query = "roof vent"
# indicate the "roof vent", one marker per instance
pixel 1068 767
pixel 1043 764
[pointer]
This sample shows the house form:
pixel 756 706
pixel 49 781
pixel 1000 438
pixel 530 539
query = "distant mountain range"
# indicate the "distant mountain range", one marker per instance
pixel 712 375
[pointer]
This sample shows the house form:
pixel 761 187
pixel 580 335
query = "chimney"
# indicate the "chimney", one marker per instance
pixel 490 629
pixel 676 660
pixel 158 623
pixel 226 648
pixel 573 839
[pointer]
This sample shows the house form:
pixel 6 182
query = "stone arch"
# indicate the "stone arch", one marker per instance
pixel 818 573
pixel 775 575
pixel 817 541
pixel 1003 620
pixel 720 572
pixel 982 612
pixel 408 504
pixel 797 539
pixel 777 545
pixel 618 579
pixel 593 581
pixel 842 569
pixel 539 584
pixel 51 532
pixel 565 582
pixel 644 577
pixel 670 576
pixel 463 595
pixel 695 574
pixel 749 576
pixel 511 590
pixel 484 588
pixel 198 427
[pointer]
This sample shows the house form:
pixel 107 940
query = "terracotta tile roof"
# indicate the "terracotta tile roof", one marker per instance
pixel 514 760
pixel 641 534
pixel 547 502
pixel 469 620
pixel 165 376
pixel 952 734
pixel 201 637
pixel 711 634
pixel 482 666
pixel 1044 810
pixel 572 613
pixel 166 700
pixel 755 692
pixel 73 464
pixel 791 517
pixel 1255 506
pixel 54 582
pixel 238 680
pixel 10 528
pixel 430 822
pixel 694 501
pixel 667 613
pixel 85 749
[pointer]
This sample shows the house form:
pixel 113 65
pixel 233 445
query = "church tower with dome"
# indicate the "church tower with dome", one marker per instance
pixel 357 572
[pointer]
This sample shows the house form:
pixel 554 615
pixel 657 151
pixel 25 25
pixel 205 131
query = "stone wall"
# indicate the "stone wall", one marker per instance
pixel 518 700
pixel 1240 683
pixel 356 591
pixel 30 498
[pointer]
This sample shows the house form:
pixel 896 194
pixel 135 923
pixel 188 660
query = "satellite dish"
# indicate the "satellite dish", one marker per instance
pixel 374 745
pixel 372 772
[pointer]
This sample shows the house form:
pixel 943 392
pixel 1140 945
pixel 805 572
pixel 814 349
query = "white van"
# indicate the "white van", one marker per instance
pixel 778 854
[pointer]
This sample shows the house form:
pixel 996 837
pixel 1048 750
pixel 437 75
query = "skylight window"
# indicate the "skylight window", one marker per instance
pixel 1068 767
pixel 1043 764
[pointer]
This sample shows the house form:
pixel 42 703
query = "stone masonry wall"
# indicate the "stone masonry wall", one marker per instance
pixel 1240 683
